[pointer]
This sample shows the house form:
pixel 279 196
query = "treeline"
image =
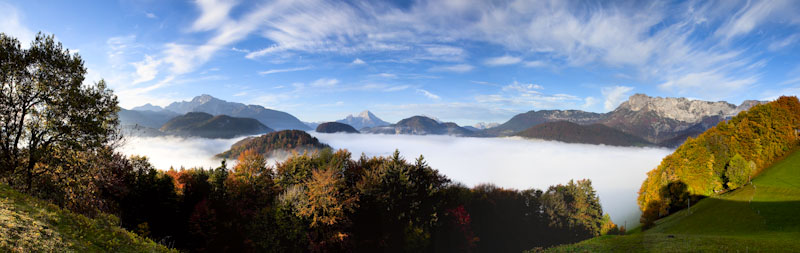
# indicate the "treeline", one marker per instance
pixel 330 202
pixel 723 158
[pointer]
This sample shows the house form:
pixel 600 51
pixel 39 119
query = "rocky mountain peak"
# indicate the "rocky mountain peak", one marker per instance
pixel 202 99
pixel 366 114
pixel 681 109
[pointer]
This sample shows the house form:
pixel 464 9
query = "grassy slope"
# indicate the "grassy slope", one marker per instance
pixel 32 225
pixel 761 217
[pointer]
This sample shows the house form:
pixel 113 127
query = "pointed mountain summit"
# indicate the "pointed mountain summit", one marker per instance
pixel 362 120
pixel 274 119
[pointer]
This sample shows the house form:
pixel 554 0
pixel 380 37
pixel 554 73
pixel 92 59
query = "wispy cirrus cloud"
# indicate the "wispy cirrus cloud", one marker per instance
pixel 275 71
pixel 458 68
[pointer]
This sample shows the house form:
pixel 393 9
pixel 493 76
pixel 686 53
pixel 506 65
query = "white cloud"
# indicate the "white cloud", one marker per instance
pixel 358 61
pixel 502 60
pixel 325 83
pixel 428 94
pixel 780 44
pixel 275 71
pixel 712 84
pixel 535 64
pixel 524 97
pixel 213 14
pixel 146 69
pixel 753 14
pixel 459 68
pixel 614 96
pixel 150 15
pixel 11 24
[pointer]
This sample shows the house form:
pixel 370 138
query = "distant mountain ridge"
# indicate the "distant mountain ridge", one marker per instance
pixel 569 132
pixel 205 125
pixel 148 107
pixel 362 120
pixel 420 125
pixel 277 120
pixel 663 121
pixel 146 118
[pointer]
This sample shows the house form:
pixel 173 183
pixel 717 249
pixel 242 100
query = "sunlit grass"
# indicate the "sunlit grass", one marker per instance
pixel 31 225
pixel 759 217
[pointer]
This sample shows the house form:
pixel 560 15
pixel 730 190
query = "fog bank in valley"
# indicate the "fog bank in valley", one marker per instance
pixel 616 172
pixel 164 152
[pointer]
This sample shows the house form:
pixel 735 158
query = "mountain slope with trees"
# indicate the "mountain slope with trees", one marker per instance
pixel 420 125
pixel 723 158
pixel 205 125
pixel 286 141
pixel 569 132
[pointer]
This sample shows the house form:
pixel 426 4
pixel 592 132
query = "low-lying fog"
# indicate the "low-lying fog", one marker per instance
pixel 616 172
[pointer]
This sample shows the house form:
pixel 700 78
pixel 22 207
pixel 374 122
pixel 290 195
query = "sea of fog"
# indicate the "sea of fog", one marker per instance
pixel 616 172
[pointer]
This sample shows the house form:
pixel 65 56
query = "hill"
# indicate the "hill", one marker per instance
pixel 205 103
pixel 28 224
pixel 759 217
pixel 273 143
pixel 363 119
pixel 151 119
pixel 207 126
pixel 569 132
pixel 420 125
pixel 335 127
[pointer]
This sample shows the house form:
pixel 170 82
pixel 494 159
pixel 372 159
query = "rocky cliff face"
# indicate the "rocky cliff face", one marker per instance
pixel 670 120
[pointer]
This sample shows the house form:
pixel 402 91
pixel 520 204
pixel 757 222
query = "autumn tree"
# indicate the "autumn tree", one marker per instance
pixel 48 115
pixel 738 172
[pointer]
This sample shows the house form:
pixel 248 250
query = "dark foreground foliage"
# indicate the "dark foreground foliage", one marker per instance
pixel 330 202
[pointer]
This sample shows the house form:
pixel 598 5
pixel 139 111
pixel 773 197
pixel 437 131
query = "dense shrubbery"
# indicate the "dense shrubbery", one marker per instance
pixel 723 158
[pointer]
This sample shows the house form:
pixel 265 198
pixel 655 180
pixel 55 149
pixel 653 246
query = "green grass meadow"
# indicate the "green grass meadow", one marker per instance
pixel 763 216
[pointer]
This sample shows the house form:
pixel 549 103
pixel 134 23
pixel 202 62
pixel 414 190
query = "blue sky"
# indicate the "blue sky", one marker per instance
pixel 462 61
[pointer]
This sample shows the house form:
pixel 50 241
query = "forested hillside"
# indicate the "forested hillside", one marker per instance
pixel 723 158
pixel 569 132
pixel 282 141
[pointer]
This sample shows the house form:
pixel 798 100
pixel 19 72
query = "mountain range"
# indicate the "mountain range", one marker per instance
pixel 420 125
pixel 662 121
pixel 277 120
